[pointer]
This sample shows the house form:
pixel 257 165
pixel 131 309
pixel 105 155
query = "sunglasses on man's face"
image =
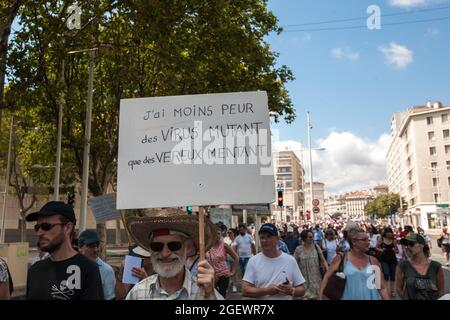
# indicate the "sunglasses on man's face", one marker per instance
pixel 47 226
pixel 410 244
pixel 172 245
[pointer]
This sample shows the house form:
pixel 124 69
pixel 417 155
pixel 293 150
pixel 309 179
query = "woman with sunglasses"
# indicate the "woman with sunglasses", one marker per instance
pixel 363 279
pixel 217 257
pixel 419 278
pixel 387 250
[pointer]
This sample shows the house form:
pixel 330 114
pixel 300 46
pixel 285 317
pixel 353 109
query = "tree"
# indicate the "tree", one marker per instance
pixel 381 205
pixel 146 48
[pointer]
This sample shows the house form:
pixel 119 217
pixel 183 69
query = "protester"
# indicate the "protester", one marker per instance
pixel 309 258
pixel 427 238
pixel 281 244
pixel 374 238
pixel 419 278
pixel 164 235
pixel 141 273
pixel 445 245
pixel 330 246
pixel 291 240
pixel 89 244
pixel 272 274
pixel 217 257
pixel 244 246
pixel 318 235
pixel 67 274
pixel 229 239
pixel 344 243
pixel 387 250
pixel 41 254
pixel 362 280
pixel 6 284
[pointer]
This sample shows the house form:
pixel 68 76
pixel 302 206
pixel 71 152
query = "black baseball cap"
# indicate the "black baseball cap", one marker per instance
pixel 269 228
pixel 88 237
pixel 53 208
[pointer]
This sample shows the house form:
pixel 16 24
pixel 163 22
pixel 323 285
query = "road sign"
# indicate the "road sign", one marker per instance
pixel 316 202
pixel 316 210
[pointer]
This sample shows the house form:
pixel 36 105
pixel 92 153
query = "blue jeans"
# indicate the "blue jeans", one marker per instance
pixel 243 264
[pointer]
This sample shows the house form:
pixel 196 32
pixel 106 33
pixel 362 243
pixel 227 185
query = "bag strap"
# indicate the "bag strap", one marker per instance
pixel 341 264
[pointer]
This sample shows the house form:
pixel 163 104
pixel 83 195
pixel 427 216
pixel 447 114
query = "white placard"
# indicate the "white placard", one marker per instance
pixel 104 207
pixel 130 263
pixel 208 149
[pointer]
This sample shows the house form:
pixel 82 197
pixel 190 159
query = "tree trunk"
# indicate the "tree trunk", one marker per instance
pixel 23 230
pixel 118 234
pixel 101 230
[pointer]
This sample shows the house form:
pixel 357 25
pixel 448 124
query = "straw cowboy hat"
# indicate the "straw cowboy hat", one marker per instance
pixel 141 228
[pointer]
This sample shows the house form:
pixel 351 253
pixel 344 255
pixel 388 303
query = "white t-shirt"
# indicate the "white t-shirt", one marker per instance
pixel 244 245
pixel 262 272
pixel 373 240
pixel 331 247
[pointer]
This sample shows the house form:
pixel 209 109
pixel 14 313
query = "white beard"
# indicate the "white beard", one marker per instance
pixel 167 270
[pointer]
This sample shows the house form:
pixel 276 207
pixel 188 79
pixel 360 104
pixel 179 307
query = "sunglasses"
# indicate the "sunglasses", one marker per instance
pixel 410 244
pixel 172 245
pixel 47 226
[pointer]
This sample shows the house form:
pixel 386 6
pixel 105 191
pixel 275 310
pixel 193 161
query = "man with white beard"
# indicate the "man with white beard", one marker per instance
pixel 164 234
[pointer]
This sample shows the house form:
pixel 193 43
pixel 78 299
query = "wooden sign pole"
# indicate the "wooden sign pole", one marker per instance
pixel 201 235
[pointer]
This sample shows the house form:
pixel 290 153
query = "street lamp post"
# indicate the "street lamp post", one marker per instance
pixel 5 194
pixel 310 168
pixel 87 139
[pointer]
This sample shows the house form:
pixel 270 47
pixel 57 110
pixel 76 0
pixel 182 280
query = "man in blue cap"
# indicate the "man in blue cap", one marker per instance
pixel 66 275
pixel 89 244
pixel 272 274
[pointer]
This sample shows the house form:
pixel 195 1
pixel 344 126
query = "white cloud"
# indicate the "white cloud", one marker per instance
pixel 408 3
pixel 306 37
pixel 397 55
pixel 344 53
pixel 348 163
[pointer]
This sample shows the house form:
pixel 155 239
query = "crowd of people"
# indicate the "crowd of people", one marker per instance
pixel 353 261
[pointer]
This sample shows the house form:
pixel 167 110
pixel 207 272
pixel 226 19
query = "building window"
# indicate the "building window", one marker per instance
pixel 434 165
pixel 408 161
pixel 429 120
pixel 447 149
pixel 448 165
pixel 446 133
pixel 433 151
pixel 448 181
pixel 431 136
pixel 436 197
pixel 444 118
pixel 435 182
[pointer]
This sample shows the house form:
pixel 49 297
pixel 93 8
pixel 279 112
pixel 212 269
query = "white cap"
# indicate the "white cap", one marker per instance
pixel 290 229
pixel 142 252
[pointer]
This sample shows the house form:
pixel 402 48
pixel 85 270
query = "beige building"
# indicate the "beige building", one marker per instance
pixel 335 204
pixel 318 194
pixel 289 177
pixel 418 164
pixel 355 203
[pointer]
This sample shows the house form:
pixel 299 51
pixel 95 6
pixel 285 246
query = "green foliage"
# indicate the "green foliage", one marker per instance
pixel 146 48
pixel 381 205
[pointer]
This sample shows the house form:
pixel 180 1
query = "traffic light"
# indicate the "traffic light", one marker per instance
pixel 71 198
pixel 280 198
pixel 189 209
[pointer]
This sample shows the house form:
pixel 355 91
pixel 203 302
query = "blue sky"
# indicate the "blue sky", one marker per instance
pixel 352 81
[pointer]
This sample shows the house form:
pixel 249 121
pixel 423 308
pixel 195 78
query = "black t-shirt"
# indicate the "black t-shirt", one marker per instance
pixel 77 278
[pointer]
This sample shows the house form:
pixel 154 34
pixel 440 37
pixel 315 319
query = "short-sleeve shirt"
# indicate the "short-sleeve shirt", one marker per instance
pixel 244 245
pixel 108 279
pixel 4 277
pixel 263 271
pixel 76 278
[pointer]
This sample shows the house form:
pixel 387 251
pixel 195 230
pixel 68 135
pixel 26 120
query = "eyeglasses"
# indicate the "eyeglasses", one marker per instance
pixel 172 245
pixel 47 226
pixel 362 239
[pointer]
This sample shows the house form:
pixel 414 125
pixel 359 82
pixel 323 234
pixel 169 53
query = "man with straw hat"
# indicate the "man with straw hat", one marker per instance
pixel 164 235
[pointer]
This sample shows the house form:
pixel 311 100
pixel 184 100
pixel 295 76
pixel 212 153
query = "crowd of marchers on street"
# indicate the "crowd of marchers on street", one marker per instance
pixel 327 260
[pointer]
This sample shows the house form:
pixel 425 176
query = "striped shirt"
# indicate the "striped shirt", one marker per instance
pixel 150 289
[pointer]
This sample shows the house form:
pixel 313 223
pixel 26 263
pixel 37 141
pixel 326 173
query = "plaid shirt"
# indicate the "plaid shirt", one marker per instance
pixel 149 289
pixel 3 271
